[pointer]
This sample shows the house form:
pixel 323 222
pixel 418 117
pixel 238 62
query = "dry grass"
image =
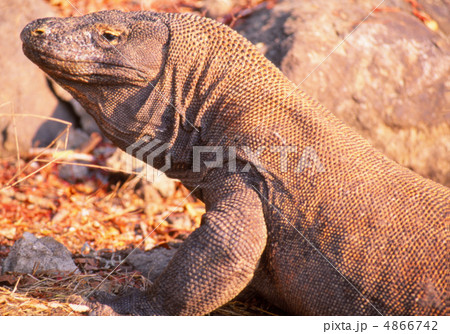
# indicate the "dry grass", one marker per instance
pixel 62 296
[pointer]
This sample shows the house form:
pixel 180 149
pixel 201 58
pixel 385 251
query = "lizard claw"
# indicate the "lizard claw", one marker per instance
pixel 91 306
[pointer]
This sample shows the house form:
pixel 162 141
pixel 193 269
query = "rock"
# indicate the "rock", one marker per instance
pixel 45 255
pixel 388 80
pixel 24 88
pixel 73 173
pixel 153 262
pixel 77 138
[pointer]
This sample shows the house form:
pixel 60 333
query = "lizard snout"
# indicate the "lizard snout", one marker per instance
pixel 36 29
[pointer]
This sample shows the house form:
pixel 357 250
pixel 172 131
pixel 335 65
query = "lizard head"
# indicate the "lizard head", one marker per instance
pixel 107 48
pixel 107 60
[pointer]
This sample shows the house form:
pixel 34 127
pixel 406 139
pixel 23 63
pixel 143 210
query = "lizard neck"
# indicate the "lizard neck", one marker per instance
pixel 212 74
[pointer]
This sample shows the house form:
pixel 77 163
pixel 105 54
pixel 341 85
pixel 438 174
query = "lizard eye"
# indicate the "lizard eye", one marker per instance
pixel 111 36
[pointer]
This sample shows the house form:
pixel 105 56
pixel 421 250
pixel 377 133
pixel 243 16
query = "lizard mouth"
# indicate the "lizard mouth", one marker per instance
pixel 84 71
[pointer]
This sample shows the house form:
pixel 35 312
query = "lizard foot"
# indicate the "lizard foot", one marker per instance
pixel 131 303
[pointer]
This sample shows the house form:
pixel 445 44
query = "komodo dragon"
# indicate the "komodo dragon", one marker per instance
pixel 300 210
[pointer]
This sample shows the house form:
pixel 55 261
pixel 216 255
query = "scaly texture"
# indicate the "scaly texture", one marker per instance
pixel 315 220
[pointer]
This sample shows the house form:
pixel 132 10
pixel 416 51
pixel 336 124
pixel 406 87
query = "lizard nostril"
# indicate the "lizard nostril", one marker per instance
pixel 38 31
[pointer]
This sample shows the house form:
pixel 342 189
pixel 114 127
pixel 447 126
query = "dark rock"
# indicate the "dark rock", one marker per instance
pixel 77 138
pixel 24 88
pixel 153 262
pixel 388 80
pixel 45 255
pixel 73 173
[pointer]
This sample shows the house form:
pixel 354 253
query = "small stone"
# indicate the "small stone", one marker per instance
pixel 45 255
pixel 152 263
pixel 73 173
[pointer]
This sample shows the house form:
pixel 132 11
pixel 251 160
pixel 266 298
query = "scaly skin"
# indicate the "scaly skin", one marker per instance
pixel 329 226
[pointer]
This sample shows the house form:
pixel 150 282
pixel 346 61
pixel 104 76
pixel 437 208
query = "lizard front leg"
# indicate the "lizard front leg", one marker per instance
pixel 215 263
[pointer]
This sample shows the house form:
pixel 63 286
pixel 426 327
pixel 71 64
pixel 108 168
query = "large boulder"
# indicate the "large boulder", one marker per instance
pixel 388 80
pixel 24 89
